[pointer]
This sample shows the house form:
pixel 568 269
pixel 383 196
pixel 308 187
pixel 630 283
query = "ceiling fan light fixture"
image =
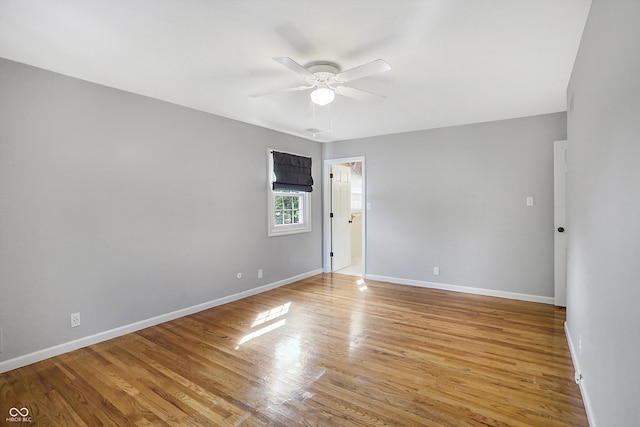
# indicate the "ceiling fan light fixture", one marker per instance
pixel 322 96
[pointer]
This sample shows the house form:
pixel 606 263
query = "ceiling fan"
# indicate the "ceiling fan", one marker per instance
pixel 326 79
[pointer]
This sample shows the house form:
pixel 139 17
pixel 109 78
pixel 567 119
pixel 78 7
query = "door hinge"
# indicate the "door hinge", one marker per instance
pixel 330 254
pixel 331 215
pixel 330 176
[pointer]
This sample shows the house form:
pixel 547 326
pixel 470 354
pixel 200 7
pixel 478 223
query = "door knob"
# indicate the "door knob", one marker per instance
pixel 560 229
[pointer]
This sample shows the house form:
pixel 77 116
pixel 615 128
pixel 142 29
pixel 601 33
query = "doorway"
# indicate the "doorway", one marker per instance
pixel 344 216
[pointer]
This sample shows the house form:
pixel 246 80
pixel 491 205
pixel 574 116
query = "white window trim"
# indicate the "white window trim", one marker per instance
pixel 285 229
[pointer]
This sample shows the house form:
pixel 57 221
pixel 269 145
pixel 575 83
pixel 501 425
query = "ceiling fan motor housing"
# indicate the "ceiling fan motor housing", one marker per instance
pixel 325 72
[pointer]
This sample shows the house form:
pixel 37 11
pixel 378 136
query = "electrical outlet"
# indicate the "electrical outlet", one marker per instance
pixel 436 271
pixel 259 273
pixel 239 276
pixel 75 320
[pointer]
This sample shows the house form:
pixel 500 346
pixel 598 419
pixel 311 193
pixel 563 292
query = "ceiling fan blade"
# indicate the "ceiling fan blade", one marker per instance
pixel 295 67
pixel 374 67
pixel 359 94
pixel 272 92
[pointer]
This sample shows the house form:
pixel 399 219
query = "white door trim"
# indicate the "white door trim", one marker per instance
pixel 326 206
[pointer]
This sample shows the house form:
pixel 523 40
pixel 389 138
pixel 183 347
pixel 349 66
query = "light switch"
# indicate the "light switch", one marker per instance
pixel 530 201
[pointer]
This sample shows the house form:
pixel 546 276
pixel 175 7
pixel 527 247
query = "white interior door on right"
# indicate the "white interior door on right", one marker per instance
pixel 340 217
pixel 559 219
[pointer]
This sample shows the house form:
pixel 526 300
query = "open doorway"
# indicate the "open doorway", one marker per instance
pixel 344 216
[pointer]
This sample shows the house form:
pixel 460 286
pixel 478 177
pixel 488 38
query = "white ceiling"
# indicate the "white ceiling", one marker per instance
pixel 452 61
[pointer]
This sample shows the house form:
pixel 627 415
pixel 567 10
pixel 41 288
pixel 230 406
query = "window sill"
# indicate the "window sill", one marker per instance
pixel 286 230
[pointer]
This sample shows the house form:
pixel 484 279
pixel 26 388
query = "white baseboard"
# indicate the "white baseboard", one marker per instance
pixel 466 289
pixel 46 353
pixel 582 383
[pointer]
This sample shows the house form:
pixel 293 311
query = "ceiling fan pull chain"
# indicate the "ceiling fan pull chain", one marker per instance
pixel 313 107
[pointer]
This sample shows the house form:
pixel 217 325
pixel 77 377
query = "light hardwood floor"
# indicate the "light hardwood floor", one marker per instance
pixel 323 351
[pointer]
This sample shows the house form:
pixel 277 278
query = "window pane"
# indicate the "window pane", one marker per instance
pixel 296 202
pixel 288 202
pixel 279 218
pixel 287 217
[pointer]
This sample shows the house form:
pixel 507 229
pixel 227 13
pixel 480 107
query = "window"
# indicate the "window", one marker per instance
pixel 288 207
pixel 289 211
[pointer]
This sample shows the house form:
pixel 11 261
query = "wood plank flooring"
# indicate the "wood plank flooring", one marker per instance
pixel 326 351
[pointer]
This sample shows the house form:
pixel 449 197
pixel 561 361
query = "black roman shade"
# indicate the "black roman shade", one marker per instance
pixel 292 172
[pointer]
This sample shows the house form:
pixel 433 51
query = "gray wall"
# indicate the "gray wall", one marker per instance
pixel 122 208
pixel 456 198
pixel 603 222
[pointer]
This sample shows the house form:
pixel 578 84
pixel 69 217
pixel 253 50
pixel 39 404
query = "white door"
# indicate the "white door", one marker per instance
pixel 559 219
pixel 341 220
